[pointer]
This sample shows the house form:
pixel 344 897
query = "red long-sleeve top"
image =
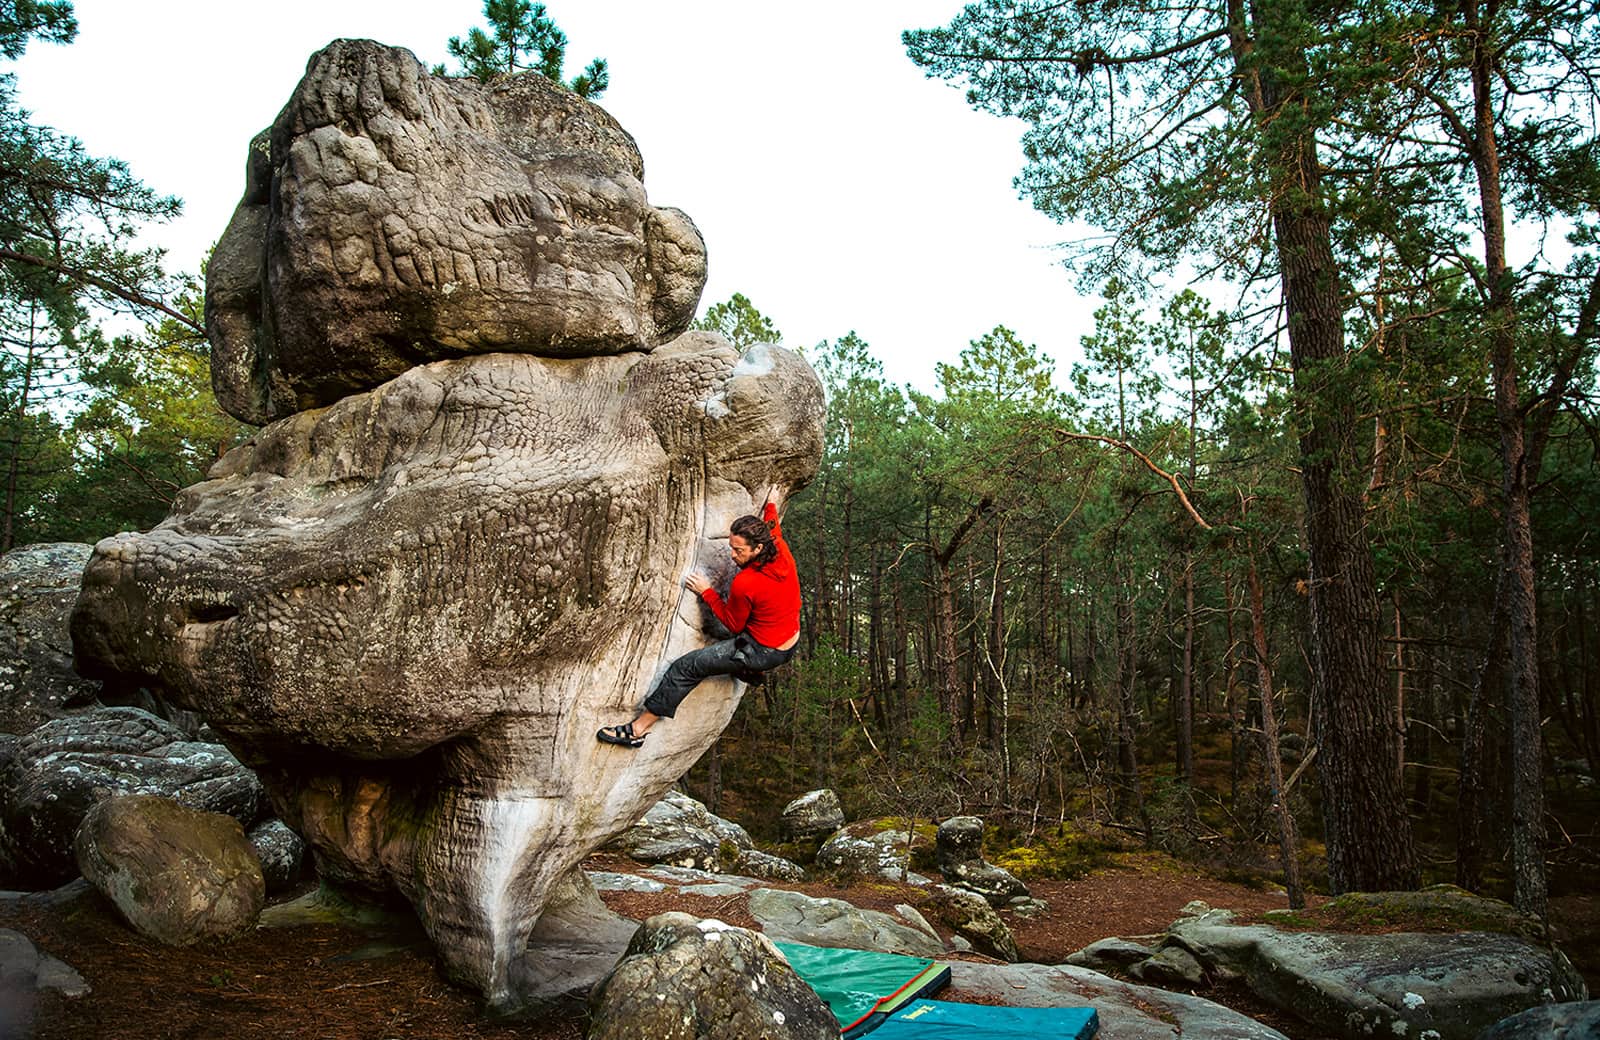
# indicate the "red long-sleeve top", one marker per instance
pixel 764 599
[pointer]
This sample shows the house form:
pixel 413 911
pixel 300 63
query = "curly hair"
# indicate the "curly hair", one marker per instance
pixel 755 530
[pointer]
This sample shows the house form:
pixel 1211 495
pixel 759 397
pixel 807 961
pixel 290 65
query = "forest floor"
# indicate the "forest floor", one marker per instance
pixel 326 982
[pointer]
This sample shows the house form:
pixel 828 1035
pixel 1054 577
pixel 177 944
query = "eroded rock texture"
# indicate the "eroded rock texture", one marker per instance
pixel 411 610
pixel 392 218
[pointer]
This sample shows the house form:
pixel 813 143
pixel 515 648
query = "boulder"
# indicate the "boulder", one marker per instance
pixel 61 769
pixel 392 218
pixel 811 817
pixel 281 852
pixel 681 832
pixel 794 917
pixel 1127 1011
pixel 574 946
pixel 1111 954
pixel 868 848
pixel 1579 1020
pixel 512 528
pixel 176 874
pixel 1170 967
pixel 682 977
pixel 972 918
pixel 958 848
pixel 1399 984
pixel 38 586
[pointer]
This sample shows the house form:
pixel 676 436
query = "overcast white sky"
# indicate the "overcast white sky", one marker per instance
pixel 835 185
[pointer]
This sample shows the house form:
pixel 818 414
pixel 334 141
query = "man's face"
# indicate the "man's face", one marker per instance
pixel 741 551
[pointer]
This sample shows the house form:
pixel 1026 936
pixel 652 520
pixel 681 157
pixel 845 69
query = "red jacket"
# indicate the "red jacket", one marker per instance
pixel 764 599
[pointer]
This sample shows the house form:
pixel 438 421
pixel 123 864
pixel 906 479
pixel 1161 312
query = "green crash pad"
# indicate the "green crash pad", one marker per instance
pixel 941 1020
pixel 859 986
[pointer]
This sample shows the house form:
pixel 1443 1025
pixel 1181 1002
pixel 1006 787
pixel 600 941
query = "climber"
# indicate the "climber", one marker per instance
pixel 762 610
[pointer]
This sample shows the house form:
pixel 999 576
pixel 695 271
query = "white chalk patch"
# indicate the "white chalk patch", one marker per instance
pixel 757 361
pixel 1413 1001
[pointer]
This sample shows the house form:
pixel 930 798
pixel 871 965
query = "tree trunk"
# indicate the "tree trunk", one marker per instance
pixel 1367 832
pixel 1277 799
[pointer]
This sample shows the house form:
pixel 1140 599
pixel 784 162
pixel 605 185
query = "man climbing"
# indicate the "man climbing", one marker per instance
pixel 762 610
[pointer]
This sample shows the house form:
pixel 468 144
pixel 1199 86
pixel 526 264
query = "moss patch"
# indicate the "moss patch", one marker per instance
pixel 1063 856
pixel 1440 908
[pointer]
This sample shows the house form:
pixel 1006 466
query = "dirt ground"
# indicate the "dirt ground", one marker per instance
pixel 326 982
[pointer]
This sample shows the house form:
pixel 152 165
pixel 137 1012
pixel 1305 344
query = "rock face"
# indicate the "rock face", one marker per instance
pixel 1575 1021
pixel 281 853
pixel 38 586
pixel 974 920
pixel 25 973
pixel 410 610
pixel 1402 984
pixel 175 874
pixel 60 770
pixel 392 218
pixel 684 977
pixel 959 848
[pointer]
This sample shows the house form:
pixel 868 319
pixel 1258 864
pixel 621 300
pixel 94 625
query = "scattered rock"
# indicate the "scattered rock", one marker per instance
pixel 1111 954
pixel 811 817
pixel 1027 906
pixel 26 972
pixel 914 917
pixel 281 852
pixel 1172 966
pixel 683 977
pixel 973 918
pixel 871 847
pixel 1579 1020
pixel 959 851
pixel 681 832
pixel 65 766
pixel 766 865
pixel 176 874
pixel 794 917
pixel 1127 1011
pixel 38 586
pixel 610 881
pixel 1358 986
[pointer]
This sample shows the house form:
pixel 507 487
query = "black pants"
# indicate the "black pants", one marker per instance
pixel 728 657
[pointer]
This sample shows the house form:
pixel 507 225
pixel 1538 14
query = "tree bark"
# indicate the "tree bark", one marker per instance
pixel 1288 843
pixel 1367 831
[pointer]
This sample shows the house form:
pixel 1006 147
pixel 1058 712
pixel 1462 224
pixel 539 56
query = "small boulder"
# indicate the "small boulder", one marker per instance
pixel 681 832
pixel 974 919
pixel 281 851
pixel 176 874
pixel 793 917
pixel 766 865
pixel 1170 967
pixel 870 848
pixel 959 850
pixel 65 766
pixel 1111 954
pixel 684 977
pixel 811 817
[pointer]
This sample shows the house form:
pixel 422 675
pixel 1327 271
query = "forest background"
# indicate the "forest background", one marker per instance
pixel 1295 577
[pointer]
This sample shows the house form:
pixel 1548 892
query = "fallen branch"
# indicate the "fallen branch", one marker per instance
pixel 1177 488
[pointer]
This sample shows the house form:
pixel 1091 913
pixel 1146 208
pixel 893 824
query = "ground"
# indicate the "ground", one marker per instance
pixel 335 983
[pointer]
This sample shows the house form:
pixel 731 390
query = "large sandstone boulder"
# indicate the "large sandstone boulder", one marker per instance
pixel 176 874
pixel 972 918
pixel 872 847
pixel 1451 985
pixel 412 608
pixel 392 218
pixel 59 771
pixel 682 977
pixel 681 832
pixel 38 586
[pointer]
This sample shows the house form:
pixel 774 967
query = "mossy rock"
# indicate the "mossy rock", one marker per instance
pixel 1437 908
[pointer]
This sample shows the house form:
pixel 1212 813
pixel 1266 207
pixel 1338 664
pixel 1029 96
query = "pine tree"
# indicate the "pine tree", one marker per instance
pixel 522 37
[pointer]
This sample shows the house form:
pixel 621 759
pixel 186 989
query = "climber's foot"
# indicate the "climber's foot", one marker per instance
pixel 622 736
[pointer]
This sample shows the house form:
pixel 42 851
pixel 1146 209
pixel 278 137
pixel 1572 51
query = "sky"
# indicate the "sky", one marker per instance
pixel 835 185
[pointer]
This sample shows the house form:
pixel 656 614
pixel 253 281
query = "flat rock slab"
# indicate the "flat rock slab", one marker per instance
pixel 1127 1012
pixel 26 972
pixel 794 917
pixel 1398 985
